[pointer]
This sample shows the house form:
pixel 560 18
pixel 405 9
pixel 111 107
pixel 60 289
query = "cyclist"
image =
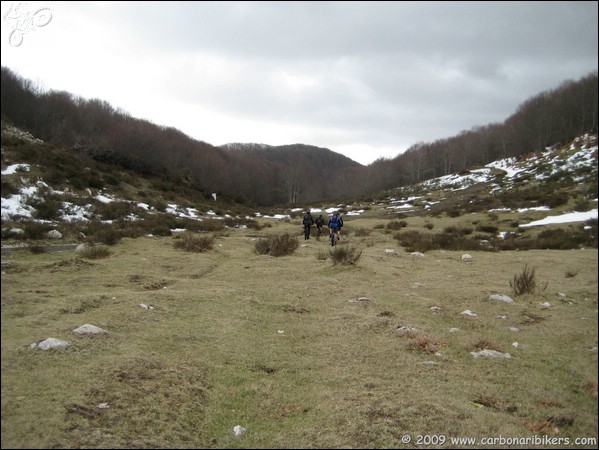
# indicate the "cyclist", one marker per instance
pixel 334 227
pixel 340 222
pixel 307 221
pixel 319 224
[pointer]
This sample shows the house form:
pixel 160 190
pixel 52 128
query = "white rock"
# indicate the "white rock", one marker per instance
pixel 54 234
pixel 49 343
pixel 238 430
pixel 406 330
pixel 466 257
pixel 490 354
pixel 501 298
pixel 469 313
pixel 89 329
pixel 144 306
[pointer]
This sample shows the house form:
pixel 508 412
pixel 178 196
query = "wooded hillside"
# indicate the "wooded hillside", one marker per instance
pixel 268 175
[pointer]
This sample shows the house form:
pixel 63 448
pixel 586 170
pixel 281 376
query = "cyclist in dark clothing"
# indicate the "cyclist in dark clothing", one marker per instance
pixel 319 224
pixel 307 222
pixel 340 223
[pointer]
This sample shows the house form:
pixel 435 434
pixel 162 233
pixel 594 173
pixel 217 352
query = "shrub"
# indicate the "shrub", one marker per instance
pixel 452 229
pixel 525 283
pixel 555 199
pixel 114 210
pixel 582 205
pixel 35 230
pixel 211 225
pixel 560 239
pixel 192 243
pixel 346 256
pixel 487 344
pixel 96 252
pixel 414 241
pixel 47 207
pixel 397 225
pixel 487 228
pixel 9 189
pixel 276 245
pixel 321 255
pixel 108 236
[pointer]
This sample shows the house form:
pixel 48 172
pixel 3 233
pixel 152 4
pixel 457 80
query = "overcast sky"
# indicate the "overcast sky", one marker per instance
pixel 367 80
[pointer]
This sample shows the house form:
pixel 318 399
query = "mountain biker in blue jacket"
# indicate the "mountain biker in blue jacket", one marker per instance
pixel 334 224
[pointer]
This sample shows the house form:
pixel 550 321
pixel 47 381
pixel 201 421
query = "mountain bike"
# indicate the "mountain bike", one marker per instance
pixel 334 238
pixel 318 232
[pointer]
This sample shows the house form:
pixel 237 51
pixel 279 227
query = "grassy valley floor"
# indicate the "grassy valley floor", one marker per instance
pixel 298 351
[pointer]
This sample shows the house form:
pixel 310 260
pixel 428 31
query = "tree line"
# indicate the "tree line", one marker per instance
pixel 290 174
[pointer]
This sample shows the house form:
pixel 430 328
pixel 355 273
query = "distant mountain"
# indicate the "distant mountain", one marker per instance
pixel 293 152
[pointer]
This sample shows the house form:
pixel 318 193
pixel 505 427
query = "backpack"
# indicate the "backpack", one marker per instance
pixel 308 219
pixel 334 221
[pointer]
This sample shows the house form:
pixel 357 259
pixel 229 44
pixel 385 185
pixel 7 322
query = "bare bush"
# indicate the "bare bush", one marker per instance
pixel 345 256
pixel 192 243
pixel 525 282
pixel 321 255
pixel 397 225
pixel 96 252
pixel 277 245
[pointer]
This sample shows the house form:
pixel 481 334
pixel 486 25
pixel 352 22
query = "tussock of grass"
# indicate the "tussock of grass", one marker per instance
pixel 95 252
pixel 526 283
pixel 277 245
pixel 345 255
pixel 193 243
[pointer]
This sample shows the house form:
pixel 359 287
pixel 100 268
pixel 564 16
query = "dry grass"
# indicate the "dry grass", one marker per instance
pixel 281 346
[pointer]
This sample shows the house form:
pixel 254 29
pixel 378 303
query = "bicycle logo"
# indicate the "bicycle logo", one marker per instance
pixel 24 21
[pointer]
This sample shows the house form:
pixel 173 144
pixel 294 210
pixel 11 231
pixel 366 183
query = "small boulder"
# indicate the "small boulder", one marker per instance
pixel 49 343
